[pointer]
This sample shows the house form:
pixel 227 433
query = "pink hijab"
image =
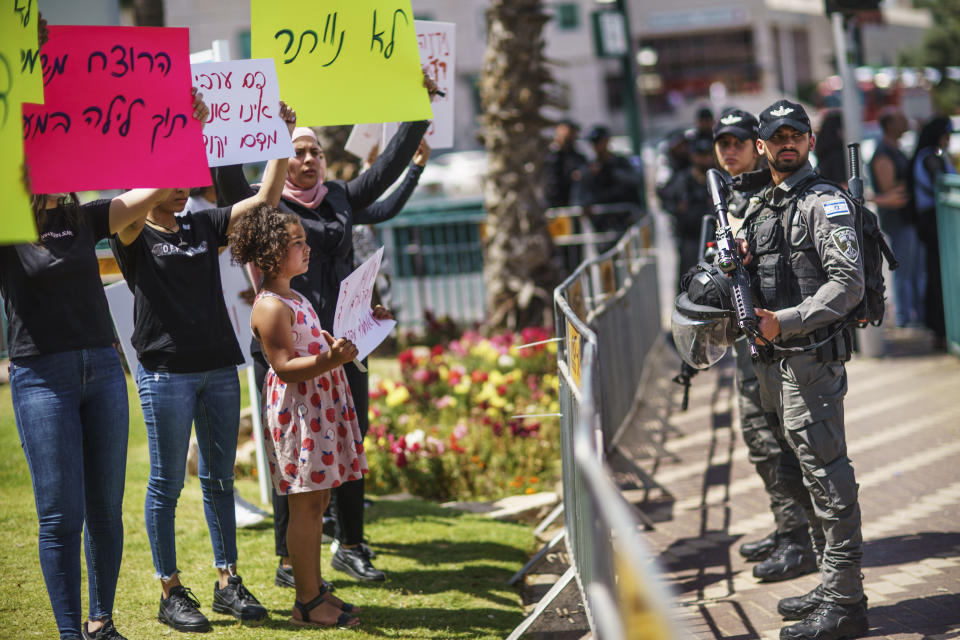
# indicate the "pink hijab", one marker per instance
pixel 312 197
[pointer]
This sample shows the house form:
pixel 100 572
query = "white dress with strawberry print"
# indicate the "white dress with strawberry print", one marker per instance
pixel 310 428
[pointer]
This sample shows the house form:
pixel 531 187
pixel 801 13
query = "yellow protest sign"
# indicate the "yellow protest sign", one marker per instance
pixel 16 219
pixel 343 61
pixel 18 24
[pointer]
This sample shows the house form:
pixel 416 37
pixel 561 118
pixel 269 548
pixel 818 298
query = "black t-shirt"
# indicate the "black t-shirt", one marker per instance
pixel 52 292
pixel 180 320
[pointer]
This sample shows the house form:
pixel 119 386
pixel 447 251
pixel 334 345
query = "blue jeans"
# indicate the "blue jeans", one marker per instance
pixel 171 403
pixel 72 417
pixel 910 280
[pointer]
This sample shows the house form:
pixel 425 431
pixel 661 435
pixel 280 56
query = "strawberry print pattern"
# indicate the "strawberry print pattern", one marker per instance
pixel 310 428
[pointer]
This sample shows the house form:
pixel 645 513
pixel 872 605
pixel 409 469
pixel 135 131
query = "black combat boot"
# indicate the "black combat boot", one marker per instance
pixel 759 549
pixel 800 607
pixel 793 557
pixel 830 621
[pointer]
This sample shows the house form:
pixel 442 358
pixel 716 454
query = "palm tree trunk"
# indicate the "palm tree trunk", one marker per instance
pixel 148 13
pixel 518 273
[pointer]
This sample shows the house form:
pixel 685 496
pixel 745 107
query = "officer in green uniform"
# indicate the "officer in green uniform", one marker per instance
pixel 786 553
pixel 801 245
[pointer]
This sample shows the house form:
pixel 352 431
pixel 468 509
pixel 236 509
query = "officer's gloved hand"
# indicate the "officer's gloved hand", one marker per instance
pixel 751 181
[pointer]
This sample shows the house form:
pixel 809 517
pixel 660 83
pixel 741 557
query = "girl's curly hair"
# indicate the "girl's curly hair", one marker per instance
pixel 261 237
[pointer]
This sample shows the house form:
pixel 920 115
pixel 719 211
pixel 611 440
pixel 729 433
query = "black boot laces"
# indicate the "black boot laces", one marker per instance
pixel 244 595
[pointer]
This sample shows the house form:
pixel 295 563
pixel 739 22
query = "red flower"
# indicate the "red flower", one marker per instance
pixel 479 376
pixel 437 350
pixel 401 459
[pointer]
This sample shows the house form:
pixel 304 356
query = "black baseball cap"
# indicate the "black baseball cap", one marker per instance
pixel 783 113
pixel 738 123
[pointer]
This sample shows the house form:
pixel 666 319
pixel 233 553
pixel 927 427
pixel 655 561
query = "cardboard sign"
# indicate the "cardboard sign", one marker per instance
pixel 363 138
pixel 244 124
pixel 437 42
pixel 117 112
pixel 16 219
pixel 353 318
pixel 19 33
pixel 342 61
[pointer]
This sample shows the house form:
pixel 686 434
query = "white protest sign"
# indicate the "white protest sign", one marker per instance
pixel 244 124
pixel 120 301
pixel 353 318
pixel 363 138
pixel 437 42
pixel 235 284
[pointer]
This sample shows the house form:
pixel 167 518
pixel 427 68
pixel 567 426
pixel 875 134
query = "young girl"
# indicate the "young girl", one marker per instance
pixel 310 421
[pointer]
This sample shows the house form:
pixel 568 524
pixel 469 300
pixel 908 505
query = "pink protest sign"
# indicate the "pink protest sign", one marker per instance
pixel 117 112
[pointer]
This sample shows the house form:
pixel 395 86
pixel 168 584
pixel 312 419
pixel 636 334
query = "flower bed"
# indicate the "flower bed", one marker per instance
pixel 447 429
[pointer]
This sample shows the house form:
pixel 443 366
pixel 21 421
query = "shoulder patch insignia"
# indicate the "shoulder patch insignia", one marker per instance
pixel 836 207
pixel 845 239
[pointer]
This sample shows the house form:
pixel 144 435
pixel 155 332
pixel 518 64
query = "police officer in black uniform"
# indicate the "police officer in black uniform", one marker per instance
pixel 787 552
pixel 801 245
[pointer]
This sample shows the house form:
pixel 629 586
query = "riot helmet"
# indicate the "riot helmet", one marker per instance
pixel 703 322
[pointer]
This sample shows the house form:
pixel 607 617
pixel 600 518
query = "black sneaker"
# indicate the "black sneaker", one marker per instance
pixel 181 610
pixel 106 632
pixel 355 562
pixel 759 549
pixel 284 578
pixel 830 621
pixel 235 600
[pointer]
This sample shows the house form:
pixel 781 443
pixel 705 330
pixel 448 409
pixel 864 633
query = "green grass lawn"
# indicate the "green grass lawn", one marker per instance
pixel 446 570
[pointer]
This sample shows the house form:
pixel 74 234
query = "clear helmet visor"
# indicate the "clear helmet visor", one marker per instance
pixel 701 340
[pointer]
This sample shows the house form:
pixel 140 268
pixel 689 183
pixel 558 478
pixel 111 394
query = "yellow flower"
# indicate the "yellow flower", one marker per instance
pixel 397 397
pixel 552 347
pixel 554 407
pixel 530 490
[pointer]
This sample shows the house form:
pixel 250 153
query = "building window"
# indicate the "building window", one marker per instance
pixel 613 84
pixel 567 15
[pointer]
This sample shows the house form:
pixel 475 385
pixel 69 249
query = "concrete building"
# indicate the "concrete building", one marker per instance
pixel 747 51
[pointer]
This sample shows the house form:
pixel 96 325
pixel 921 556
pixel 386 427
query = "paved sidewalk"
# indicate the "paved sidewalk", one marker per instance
pixel 903 435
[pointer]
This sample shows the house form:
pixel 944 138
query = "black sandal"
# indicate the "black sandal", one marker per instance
pixel 346 607
pixel 344 620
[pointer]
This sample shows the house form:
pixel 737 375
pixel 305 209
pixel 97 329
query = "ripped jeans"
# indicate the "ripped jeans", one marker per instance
pixel 171 403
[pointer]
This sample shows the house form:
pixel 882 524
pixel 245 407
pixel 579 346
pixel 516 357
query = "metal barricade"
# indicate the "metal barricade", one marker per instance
pixel 607 321
pixel 948 233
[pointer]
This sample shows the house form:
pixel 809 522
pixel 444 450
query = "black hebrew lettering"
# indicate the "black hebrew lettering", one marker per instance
pixel 118 102
pixel 52 69
pixel 22 7
pixel 28 60
pixel 377 36
pixel 329 37
pixel 166 120
pixel 37 124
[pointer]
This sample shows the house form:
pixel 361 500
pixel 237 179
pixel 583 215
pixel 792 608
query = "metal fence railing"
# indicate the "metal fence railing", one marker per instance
pixel 948 233
pixel 609 300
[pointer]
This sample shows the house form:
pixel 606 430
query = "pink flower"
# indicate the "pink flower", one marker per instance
pixel 401 459
pixel 460 431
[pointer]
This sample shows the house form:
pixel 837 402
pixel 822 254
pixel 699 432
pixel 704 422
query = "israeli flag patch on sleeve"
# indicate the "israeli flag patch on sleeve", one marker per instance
pixel 835 208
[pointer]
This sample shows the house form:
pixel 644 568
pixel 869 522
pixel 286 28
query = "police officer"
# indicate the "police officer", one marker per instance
pixel 686 199
pixel 801 243
pixel 787 552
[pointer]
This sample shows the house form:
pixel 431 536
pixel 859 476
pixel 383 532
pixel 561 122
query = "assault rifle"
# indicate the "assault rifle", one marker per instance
pixel 728 261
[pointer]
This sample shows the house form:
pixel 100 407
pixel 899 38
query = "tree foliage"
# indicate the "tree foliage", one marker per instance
pixel 939 50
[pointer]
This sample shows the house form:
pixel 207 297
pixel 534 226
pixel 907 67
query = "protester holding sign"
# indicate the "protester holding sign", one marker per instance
pixel 188 356
pixel 310 421
pixel 69 395
pixel 328 210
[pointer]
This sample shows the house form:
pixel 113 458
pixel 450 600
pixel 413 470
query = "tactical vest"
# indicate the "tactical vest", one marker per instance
pixel 786 267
